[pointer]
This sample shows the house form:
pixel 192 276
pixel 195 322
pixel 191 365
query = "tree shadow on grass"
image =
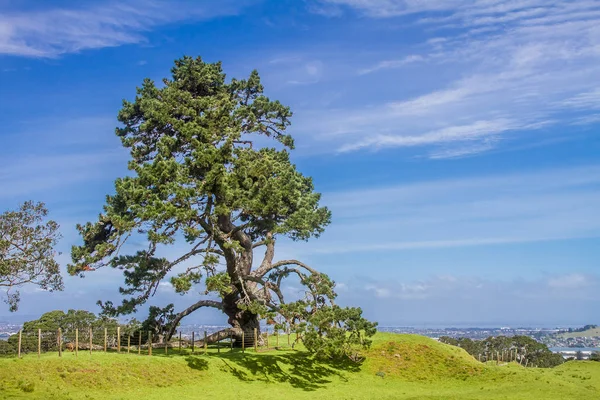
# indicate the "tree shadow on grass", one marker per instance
pixel 198 363
pixel 297 368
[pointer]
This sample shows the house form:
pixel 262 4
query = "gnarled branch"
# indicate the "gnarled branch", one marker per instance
pixel 191 309
pixel 263 270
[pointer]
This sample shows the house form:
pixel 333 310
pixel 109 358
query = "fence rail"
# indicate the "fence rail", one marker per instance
pixel 101 339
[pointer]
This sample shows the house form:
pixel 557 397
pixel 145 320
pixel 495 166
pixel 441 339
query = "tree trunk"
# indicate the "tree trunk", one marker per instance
pixel 240 321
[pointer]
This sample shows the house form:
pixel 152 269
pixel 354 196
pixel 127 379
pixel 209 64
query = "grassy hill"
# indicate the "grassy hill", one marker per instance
pixel 397 367
pixel 586 333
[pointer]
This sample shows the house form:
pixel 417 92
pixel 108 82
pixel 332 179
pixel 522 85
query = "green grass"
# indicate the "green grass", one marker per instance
pixel 397 367
pixel 586 333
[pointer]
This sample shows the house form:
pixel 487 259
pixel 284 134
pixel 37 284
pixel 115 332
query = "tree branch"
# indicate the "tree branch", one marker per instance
pixel 267 285
pixel 191 309
pixel 263 270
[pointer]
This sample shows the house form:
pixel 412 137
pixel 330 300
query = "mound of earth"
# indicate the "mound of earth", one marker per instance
pixel 417 358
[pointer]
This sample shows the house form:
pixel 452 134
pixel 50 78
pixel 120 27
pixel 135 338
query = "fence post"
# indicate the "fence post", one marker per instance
pixel 192 342
pixel 288 333
pixel 277 338
pixel 105 338
pixel 267 336
pixel 76 342
pixel 166 342
pixel 59 343
pixel 140 343
pixel 91 343
pixel 19 351
pixel 205 345
pixel 149 343
pixel 128 342
pixel 39 342
pixel 243 342
pixel 118 339
pixel 255 341
pixel 179 342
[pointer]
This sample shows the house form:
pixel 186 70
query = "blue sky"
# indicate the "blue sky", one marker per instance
pixel 454 141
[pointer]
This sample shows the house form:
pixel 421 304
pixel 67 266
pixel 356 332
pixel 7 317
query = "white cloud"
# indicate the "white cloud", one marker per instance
pixel 453 288
pixel 306 73
pixel 391 64
pixel 165 287
pixel 379 291
pixel 473 131
pixel 53 31
pixel 463 150
pixel 584 100
pixel 525 62
pixel 572 281
pixel 389 8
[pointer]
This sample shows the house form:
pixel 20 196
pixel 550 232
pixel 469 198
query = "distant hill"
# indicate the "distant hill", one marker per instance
pixel 589 332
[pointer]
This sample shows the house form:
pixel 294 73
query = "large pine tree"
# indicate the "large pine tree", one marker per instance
pixel 199 176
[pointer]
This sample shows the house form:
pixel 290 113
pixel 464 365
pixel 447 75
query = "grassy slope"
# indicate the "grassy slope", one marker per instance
pixel 398 367
pixel 587 333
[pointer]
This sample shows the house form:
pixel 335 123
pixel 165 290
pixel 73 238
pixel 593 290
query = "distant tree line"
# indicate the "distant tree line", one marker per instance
pixel 528 350
pixel 585 328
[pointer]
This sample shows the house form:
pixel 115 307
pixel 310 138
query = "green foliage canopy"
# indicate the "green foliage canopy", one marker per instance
pixel 27 252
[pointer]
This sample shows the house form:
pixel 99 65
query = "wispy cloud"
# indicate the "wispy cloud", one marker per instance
pixel 571 281
pixel 535 206
pixel 471 287
pixel 391 64
pixel 50 32
pixel 390 8
pixel 42 176
pixel 584 100
pixel 472 131
pixel 284 70
pixel 525 63
pixel 450 300
pixel 41 158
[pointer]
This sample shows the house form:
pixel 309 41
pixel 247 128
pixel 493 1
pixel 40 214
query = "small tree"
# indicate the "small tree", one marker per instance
pixel 199 176
pixel 68 322
pixel 27 252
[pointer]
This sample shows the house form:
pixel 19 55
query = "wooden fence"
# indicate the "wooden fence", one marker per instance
pixel 100 339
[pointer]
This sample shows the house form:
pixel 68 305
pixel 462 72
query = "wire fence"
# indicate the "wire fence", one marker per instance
pixel 116 339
